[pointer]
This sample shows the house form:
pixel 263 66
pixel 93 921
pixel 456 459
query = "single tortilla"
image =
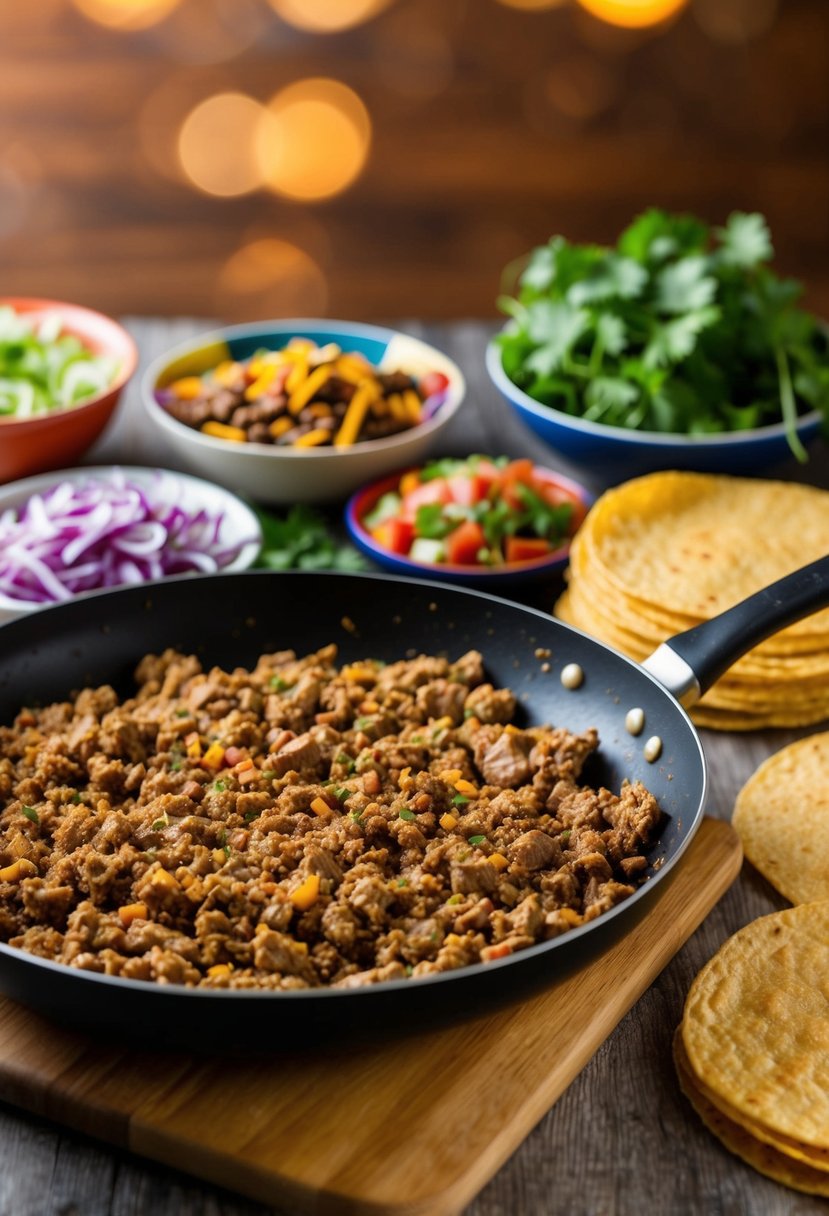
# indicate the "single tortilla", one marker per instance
pixel 782 817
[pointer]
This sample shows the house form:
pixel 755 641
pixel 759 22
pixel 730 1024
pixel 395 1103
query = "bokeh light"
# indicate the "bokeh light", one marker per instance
pixel 735 21
pixel 313 140
pixel 272 277
pixel 633 14
pixel 216 145
pixel 327 16
pixel 126 14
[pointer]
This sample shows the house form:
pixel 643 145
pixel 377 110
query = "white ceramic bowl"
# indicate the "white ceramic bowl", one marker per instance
pixel 285 475
pixel 193 494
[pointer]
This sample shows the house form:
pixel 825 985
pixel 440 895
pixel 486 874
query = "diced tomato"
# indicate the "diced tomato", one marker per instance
pixel 400 535
pixel 463 544
pixel 467 490
pixel 432 383
pixel 518 472
pixel 436 490
pixel 526 548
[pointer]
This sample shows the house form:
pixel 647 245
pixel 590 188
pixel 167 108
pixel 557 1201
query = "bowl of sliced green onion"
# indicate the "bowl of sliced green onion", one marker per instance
pixel 62 369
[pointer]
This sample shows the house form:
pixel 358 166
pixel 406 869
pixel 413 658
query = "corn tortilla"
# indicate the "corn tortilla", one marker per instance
pixel 782 818
pixel 762 1156
pixel 695 544
pixel 756 1024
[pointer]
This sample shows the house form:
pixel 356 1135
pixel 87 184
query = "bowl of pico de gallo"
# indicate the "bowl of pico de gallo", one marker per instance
pixel 480 521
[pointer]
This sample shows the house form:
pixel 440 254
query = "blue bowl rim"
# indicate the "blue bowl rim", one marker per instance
pixel 292 325
pixel 618 434
pixel 552 562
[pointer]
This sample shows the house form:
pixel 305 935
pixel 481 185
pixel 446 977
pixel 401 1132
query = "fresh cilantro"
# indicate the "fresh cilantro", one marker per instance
pixel 251 815
pixel 433 521
pixel 31 813
pixel 477 839
pixel 678 329
pixel 219 787
pixel 278 684
pixel 303 540
pixel 460 800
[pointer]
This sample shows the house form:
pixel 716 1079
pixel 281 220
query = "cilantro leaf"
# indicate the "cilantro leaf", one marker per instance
pixel 745 240
pixel 302 540
pixel 614 276
pixel 674 341
pixel 685 286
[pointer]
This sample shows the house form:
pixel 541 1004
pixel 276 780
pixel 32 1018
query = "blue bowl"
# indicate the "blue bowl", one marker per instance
pixel 616 454
pixel 492 577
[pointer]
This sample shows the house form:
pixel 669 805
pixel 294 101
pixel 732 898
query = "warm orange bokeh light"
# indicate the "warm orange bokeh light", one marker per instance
pixel 216 145
pixel 326 16
pixel 314 139
pixel 633 14
pixel 272 277
pixel 126 14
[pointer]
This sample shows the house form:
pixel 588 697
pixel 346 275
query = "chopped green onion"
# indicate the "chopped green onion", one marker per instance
pixel 31 813
pixel 476 839
pixel 406 814
pixel 460 800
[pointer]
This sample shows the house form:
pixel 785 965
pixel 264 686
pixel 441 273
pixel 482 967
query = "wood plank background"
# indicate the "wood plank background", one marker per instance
pixel 492 129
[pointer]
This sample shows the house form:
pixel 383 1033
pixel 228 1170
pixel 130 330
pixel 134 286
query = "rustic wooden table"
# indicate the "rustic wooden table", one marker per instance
pixel 622 1139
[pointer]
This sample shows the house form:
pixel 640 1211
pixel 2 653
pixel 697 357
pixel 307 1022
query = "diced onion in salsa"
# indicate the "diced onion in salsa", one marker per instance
pixel 475 512
pixel 103 532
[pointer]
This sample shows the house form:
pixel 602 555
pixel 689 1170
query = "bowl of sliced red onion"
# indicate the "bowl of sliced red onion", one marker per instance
pixel 88 529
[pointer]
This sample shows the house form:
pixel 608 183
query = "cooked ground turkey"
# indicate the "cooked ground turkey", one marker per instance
pixel 303 824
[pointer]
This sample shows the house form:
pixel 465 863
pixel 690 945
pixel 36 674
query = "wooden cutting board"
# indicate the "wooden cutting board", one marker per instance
pixel 412 1126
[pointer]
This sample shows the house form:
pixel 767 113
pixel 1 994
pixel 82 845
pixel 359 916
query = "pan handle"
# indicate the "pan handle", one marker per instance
pixel 690 662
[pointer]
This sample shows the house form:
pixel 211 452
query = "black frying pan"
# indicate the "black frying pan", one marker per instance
pixel 231 619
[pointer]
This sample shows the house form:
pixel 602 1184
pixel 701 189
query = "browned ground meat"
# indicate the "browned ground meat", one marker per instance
pixel 303 824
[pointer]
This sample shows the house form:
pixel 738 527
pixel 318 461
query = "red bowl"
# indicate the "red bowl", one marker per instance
pixel 56 440
pixel 493 577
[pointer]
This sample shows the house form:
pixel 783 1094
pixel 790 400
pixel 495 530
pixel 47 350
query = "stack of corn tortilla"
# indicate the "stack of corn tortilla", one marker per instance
pixel 665 552
pixel 752 1052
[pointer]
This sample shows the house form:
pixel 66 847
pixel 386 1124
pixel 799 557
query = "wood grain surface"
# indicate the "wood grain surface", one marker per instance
pixel 621 1139
pixel 347 1127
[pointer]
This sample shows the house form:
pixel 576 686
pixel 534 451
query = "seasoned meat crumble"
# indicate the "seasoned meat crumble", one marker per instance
pixel 303 824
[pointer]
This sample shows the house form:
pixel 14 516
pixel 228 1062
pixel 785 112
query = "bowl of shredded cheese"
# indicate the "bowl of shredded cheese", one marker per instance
pixel 301 411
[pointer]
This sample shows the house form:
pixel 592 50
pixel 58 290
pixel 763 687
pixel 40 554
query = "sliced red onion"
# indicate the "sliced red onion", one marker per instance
pixel 106 531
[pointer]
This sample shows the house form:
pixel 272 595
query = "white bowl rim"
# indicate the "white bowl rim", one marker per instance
pixel 27 486
pixel 447 410
pixel 602 430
